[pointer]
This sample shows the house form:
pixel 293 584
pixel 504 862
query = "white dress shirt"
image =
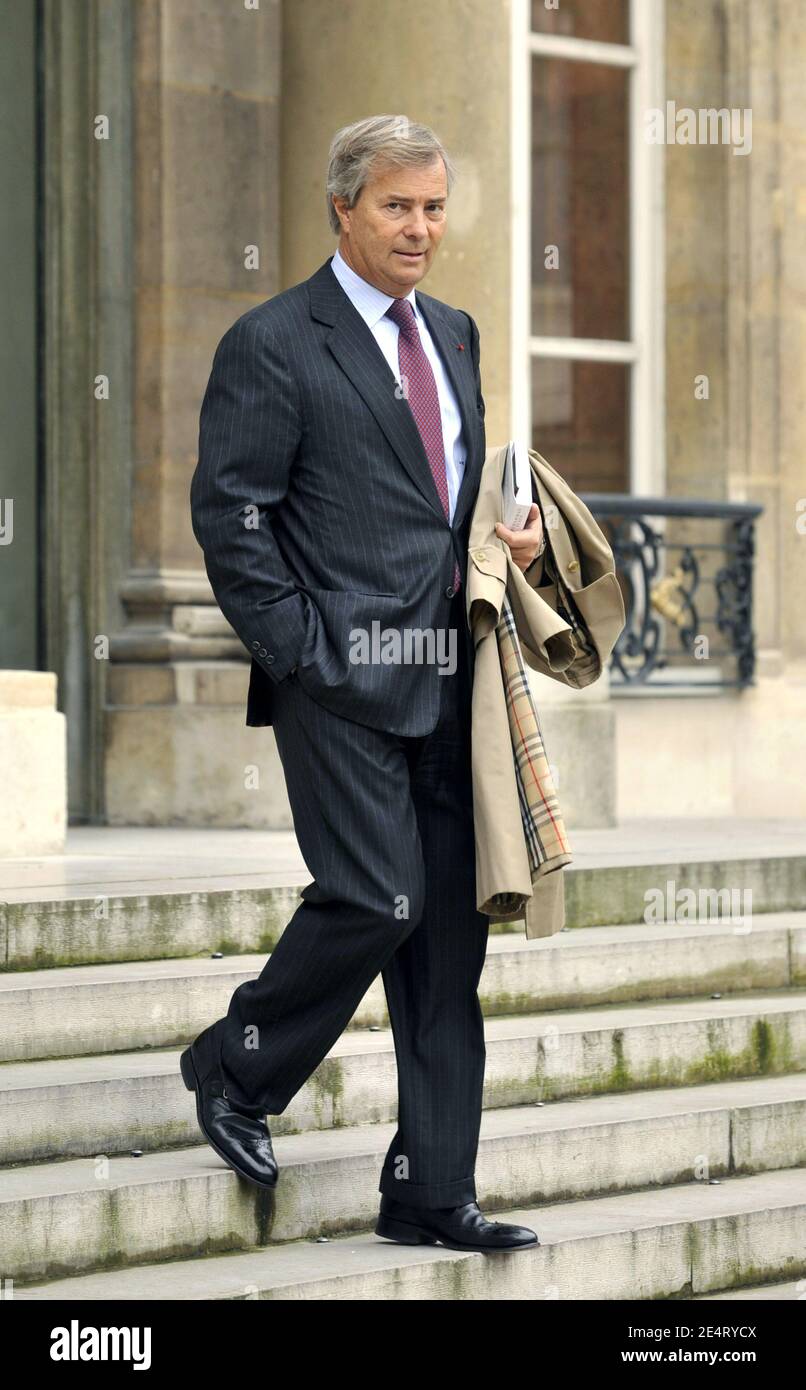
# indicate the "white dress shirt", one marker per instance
pixel 372 304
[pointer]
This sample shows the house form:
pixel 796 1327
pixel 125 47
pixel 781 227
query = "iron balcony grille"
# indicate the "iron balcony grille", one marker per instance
pixel 686 572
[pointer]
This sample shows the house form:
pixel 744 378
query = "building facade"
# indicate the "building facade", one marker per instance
pixel 636 268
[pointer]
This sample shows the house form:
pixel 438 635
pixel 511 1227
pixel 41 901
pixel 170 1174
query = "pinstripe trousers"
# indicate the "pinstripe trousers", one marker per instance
pixel 385 825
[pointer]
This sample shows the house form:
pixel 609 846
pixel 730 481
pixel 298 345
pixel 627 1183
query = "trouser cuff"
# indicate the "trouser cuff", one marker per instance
pixel 255 1110
pixel 426 1194
pixel 238 1101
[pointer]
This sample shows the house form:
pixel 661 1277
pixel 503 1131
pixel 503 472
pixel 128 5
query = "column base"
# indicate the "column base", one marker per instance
pixel 178 750
pixel 33 756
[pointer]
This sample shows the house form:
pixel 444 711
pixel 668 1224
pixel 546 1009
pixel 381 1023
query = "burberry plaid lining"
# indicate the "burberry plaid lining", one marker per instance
pixel 544 831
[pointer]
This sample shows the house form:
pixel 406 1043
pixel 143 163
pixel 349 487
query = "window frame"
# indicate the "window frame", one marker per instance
pixel 643 352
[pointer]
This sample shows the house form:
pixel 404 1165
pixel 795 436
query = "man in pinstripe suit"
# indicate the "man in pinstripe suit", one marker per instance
pixel 340 450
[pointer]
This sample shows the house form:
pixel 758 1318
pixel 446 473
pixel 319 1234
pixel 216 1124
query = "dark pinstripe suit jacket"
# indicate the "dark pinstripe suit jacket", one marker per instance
pixel 315 505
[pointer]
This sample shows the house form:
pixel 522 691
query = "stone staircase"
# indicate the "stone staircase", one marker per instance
pixel 644 1104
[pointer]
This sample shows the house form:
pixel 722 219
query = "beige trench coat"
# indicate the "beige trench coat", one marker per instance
pixel 574 652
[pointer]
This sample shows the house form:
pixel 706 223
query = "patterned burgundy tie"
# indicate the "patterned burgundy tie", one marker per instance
pixel 423 398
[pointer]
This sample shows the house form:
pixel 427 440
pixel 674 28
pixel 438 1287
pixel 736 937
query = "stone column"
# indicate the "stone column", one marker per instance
pixel 206 133
pixel 735 277
pixel 766 233
pixel 766 229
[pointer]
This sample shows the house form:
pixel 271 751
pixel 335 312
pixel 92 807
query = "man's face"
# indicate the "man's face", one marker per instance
pixel 391 235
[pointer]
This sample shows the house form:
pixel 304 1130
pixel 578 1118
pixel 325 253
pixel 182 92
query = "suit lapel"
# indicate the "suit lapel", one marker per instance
pixel 360 358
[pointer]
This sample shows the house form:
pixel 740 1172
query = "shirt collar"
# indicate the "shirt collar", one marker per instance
pixel 370 302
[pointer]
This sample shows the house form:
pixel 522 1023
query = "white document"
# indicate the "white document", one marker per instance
pixel 516 486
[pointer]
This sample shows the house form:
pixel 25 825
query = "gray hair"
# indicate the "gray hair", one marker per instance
pixel 394 139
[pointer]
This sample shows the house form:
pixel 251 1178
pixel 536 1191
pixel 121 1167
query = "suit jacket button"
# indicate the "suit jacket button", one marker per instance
pixel 449 591
pixel 255 646
pixel 269 658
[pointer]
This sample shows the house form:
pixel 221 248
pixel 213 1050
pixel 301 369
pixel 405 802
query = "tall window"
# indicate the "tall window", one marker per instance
pixel 593 243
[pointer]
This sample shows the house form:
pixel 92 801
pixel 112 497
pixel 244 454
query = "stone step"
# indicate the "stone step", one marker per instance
pixel 793 1288
pixel 105 1211
pixel 671 1242
pixel 121 1101
pixel 235 891
pixel 83 1010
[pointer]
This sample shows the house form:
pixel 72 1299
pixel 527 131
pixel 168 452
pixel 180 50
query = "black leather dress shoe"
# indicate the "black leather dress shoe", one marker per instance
pixel 242 1141
pixel 458 1228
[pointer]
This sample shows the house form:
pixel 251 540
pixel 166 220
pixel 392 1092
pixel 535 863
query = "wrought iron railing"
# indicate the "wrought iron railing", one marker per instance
pixel 688 601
